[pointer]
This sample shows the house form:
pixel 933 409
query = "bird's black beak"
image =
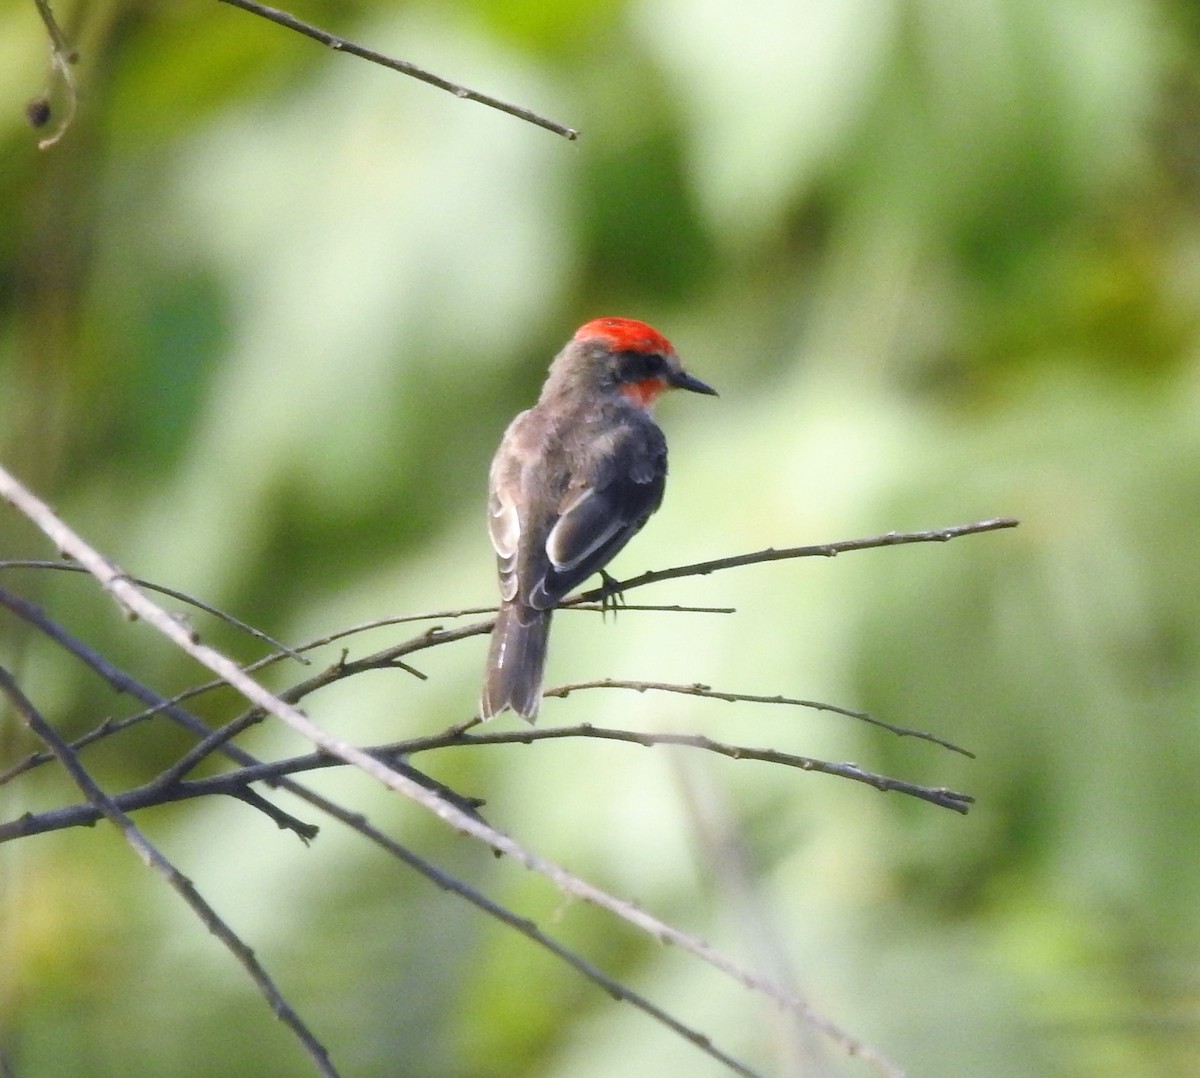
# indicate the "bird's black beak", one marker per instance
pixel 683 380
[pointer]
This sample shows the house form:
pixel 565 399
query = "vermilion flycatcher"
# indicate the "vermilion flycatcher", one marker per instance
pixel 574 479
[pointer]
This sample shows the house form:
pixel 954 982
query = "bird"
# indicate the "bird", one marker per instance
pixel 574 479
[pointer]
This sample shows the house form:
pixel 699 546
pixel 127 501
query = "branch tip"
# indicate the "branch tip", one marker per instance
pixel 290 22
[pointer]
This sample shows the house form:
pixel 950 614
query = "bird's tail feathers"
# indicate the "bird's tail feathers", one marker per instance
pixel 516 659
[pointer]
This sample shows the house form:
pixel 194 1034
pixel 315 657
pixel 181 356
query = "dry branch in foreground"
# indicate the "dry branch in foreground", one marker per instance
pixel 391 765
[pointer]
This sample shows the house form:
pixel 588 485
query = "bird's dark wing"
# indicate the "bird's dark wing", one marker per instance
pixel 599 517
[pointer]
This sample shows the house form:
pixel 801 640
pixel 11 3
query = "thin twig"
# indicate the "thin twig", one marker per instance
pixel 935 795
pixel 708 693
pixel 664 608
pixel 222 735
pixel 58 40
pixel 472 611
pixel 283 18
pixel 182 596
pixel 87 814
pixel 156 860
pixel 823 550
pixel 236 784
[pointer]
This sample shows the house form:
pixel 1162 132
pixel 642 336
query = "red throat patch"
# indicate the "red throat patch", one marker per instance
pixel 645 392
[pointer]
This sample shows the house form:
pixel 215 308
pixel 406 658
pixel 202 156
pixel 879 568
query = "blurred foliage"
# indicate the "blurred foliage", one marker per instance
pixel 264 312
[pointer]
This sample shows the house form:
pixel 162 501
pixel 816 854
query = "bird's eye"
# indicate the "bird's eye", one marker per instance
pixel 638 366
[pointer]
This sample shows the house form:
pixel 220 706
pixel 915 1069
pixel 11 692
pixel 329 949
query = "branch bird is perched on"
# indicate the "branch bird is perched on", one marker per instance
pixel 575 477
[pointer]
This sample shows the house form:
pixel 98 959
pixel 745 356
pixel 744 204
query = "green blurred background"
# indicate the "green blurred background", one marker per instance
pixel 264 313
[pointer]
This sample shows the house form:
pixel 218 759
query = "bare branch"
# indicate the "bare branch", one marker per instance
pixel 235 784
pixel 944 798
pixel 154 859
pixel 667 608
pixel 472 611
pixel 58 40
pixel 283 18
pixel 824 550
pixel 708 693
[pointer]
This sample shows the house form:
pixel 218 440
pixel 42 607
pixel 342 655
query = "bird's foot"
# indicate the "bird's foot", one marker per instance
pixel 613 598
